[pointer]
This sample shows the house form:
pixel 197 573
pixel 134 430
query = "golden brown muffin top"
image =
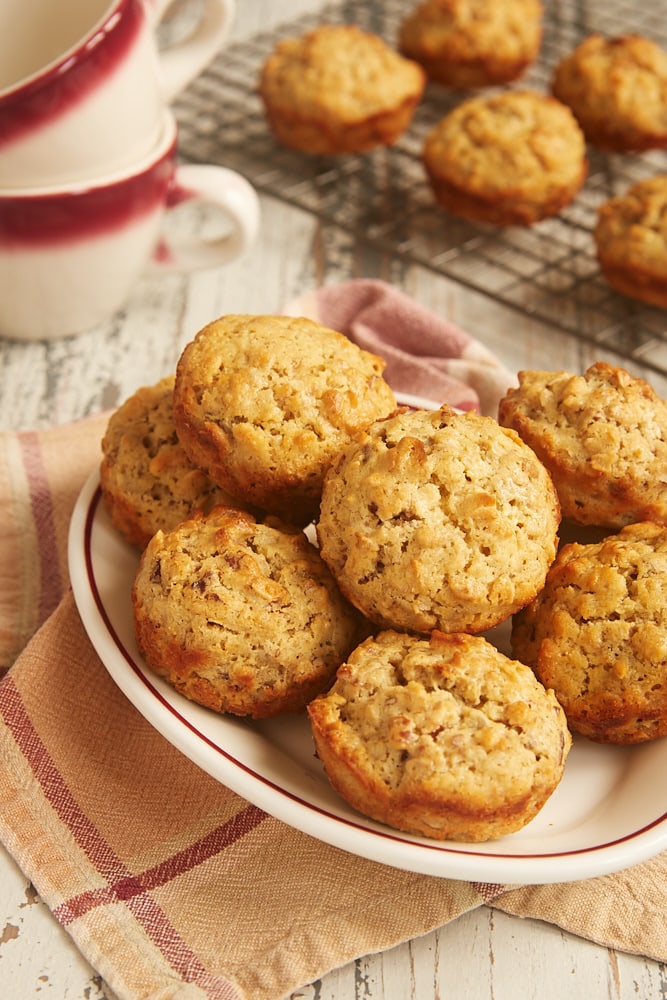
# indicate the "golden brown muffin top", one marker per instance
pixel 449 723
pixel 239 615
pixel 148 481
pixel 631 228
pixel 602 435
pixel 338 70
pixel 468 29
pixel 517 139
pixel 617 87
pixel 597 634
pixel 435 519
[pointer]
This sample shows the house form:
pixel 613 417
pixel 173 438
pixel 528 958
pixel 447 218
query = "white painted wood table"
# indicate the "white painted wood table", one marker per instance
pixel 484 954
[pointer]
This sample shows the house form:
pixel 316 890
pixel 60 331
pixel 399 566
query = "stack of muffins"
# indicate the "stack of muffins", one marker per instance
pixel 510 157
pixel 432 526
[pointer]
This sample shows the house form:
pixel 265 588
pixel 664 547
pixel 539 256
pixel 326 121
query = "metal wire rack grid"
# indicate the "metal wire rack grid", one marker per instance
pixel 382 198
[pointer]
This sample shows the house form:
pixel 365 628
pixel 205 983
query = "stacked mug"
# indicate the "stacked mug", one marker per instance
pixel 89 172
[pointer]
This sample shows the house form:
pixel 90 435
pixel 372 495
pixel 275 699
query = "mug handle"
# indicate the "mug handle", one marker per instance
pixel 185 58
pixel 230 199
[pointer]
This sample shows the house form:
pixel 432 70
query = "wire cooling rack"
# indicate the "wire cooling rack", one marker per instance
pixel 548 271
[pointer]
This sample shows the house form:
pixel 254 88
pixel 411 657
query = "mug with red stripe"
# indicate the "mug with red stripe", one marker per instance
pixel 83 82
pixel 71 253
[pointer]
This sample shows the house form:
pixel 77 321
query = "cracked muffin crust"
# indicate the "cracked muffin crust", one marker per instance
pixel 508 159
pixel 338 89
pixel 597 635
pixel 603 437
pixel 264 403
pixel 617 88
pixel 438 520
pixel 631 241
pixel 472 43
pixel 147 480
pixel 239 616
pixel 444 737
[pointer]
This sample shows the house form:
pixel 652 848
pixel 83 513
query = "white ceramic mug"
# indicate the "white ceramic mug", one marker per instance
pixel 83 82
pixel 70 255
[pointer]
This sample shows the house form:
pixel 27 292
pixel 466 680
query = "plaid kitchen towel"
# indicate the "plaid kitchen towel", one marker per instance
pixel 170 884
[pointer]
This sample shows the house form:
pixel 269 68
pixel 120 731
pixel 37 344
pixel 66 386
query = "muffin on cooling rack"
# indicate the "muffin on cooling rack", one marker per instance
pixel 241 617
pixel 602 436
pixel 617 88
pixel 597 635
pixel 264 403
pixel 631 241
pixel 473 43
pixel 444 737
pixel 338 89
pixel 147 480
pixel 511 158
pixel 438 520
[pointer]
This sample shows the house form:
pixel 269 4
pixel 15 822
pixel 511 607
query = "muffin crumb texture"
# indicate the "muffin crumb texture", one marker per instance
pixel 617 89
pixel 473 43
pixel 512 158
pixel 438 520
pixel 147 480
pixel 443 737
pixel 630 237
pixel 597 635
pixel 239 616
pixel 264 403
pixel 337 89
pixel 602 436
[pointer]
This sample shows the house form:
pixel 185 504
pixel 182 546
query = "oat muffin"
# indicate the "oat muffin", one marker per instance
pixel 631 241
pixel 597 635
pixel 472 43
pixel 239 616
pixel 603 437
pixel 438 520
pixel 444 737
pixel 147 480
pixel 338 89
pixel 264 403
pixel 512 158
pixel 617 88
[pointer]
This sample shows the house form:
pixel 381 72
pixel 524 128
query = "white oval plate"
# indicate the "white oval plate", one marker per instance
pixel 609 811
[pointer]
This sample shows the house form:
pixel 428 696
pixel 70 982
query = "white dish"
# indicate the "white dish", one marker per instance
pixel 609 812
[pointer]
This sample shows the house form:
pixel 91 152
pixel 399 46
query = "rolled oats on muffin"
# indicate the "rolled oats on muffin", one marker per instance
pixel 617 89
pixel 630 238
pixel 507 159
pixel 597 635
pixel 472 43
pixel 239 616
pixel 438 520
pixel 445 737
pixel 147 480
pixel 602 436
pixel 337 89
pixel 264 403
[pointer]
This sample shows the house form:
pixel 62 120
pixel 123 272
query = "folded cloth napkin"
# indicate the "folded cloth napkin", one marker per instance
pixel 426 354
pixel 170 884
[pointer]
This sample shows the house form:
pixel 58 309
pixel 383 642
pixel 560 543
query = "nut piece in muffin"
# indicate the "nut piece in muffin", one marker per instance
pixel 597 635
pixel 444 737
pixel 631 241
pixel 438 520
pixel 241 617
pixel 602 436
pixel 338 89
pixel 147 480
pixel 512 158
pixel 264 403
pixel 473 43
pixel 617 88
